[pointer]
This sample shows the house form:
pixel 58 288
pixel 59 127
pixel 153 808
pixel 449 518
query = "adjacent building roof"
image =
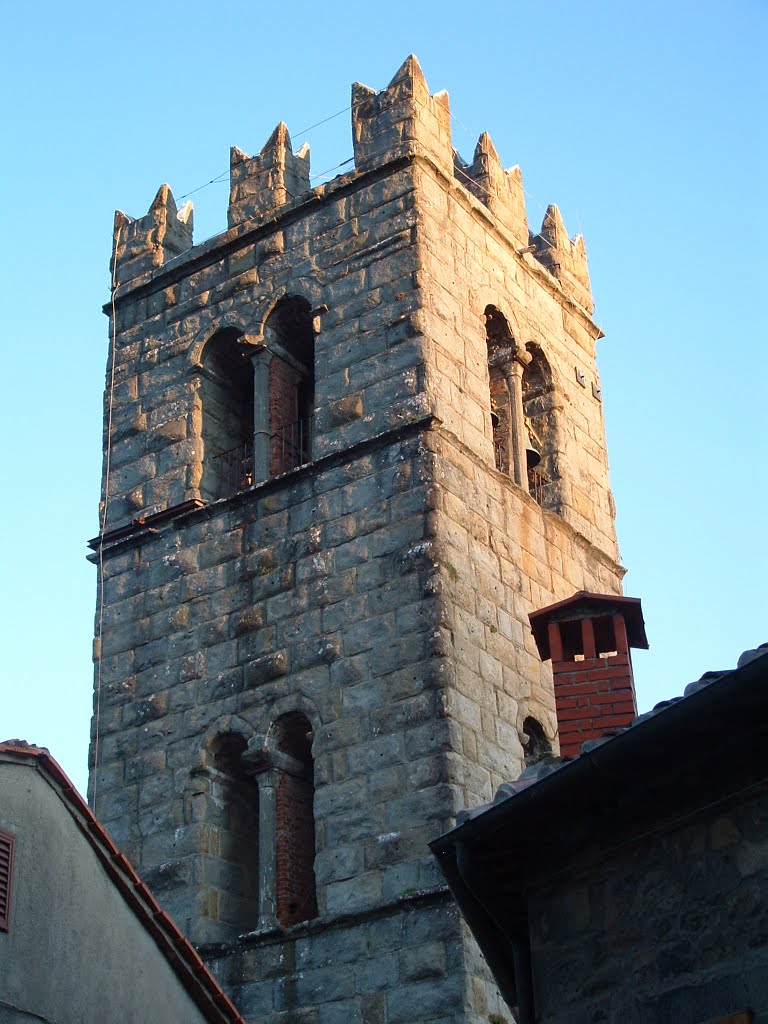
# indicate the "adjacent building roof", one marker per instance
pixel 180 954
pixel 688 750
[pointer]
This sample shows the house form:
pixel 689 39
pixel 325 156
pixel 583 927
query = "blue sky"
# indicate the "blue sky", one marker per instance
pixel 645 123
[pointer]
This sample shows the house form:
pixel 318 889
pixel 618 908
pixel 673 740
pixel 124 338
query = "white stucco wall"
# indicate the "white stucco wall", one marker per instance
pixel 75 951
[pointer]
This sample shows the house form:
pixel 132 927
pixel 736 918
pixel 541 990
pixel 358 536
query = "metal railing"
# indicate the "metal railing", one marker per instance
pixel 290 446
pixel 233 469
pixel 537 483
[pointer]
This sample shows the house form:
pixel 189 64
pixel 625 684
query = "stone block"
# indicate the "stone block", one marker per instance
pixel 375 753
pixel 349 827
pixel 377 974
pixel 256 1000
pixel 338 864
pixel 343 410
pixel 416 1002
pixel 340 797
pixel 427 961
pixel 262 670
pixel 354 895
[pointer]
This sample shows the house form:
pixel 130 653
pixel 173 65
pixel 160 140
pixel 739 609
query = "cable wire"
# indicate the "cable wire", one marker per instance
pixel 528 195
pixel 220 178
pixel 103 524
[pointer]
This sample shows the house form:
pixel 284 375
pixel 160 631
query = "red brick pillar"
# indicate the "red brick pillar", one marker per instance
pixel 283 413
pixel 295 835
pixel 588 637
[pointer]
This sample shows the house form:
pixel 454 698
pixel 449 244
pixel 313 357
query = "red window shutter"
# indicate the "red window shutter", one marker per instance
pixel 7 843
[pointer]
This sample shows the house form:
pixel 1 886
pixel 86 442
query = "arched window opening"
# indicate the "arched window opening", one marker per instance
pixel 227 400
pixel 500 346
pixel 295 824
pixel 535 742
pixel 521 405
pixel 234 817
pixel 291 384
pixel 538 411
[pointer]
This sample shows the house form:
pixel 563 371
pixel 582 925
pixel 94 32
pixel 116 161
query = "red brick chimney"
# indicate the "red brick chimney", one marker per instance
pixel 588 638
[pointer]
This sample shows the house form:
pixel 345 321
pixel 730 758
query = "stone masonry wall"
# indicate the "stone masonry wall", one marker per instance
pixel 307 597
pixel 313 593
pixel 501 556
pixel 467 262
pixel 407 963
pixel 382 591
pixel 672 927
pixel 350 249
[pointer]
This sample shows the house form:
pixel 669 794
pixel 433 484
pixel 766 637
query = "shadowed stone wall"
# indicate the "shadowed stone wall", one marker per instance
pixel 670 927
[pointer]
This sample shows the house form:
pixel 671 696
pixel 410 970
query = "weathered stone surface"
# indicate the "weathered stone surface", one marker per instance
pixel 264 669
pixel 660 927
pixel 379 587
pixel 345 409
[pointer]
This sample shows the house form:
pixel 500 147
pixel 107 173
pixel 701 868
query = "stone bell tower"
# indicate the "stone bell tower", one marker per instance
pixel 351 443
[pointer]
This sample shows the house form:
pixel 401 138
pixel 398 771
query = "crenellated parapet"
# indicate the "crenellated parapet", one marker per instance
pixel 400 122
pixel 142 244
pixel 499 189
pixel 564 257
pixel 403 116
pixel 262 184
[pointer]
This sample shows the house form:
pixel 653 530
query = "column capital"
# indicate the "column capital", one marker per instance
pixel 522 357
pixel 256 349
pixel 263 757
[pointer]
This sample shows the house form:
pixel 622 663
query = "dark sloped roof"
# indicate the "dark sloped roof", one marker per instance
pixel 180 954
pixel 686 751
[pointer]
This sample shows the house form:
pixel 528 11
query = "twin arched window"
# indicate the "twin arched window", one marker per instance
pixel 257 401
pixel 260 814
pixel 521 397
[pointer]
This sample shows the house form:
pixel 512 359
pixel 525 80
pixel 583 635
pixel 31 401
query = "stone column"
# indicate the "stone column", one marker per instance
pixel 268 765
pixel 261 433
pixel 267 781
pixel 517 432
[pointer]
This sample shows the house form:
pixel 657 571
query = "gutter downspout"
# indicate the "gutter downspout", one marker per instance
pixel 519 996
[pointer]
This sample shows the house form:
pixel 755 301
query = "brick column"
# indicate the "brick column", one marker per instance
pixel 295 845
pixel 588 638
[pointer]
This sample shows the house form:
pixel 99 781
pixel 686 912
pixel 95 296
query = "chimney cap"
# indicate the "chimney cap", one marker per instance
pixel 584 605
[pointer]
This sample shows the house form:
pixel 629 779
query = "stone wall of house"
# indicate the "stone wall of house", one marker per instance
pixel 672 926
pixel 380 591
